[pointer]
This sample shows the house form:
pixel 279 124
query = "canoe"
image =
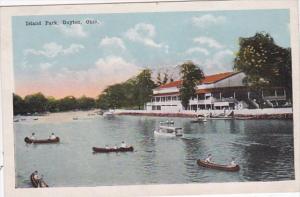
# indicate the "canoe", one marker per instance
pixel 217 166
pixel 120 149
pixel 45 141
pixel 35 183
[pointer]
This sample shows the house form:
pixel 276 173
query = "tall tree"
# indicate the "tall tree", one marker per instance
pixel 191 76
pixel 264 62
pixel 144 86
pixel 158 79
pixel 36 103
pixel 166 78
pixel 19 106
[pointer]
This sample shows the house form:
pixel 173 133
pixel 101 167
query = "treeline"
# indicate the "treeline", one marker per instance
pixel 133 93
pixel 38 103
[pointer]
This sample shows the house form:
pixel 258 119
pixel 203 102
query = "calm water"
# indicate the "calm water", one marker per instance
pixel 263 149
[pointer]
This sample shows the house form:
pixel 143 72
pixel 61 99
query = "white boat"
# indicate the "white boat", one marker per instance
pixel 108 114
pixel 199 119
pixel 169 131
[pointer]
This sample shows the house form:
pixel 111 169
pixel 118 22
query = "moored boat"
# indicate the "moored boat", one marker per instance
pixel 37 183
pixel 218 166
pixel 109 150
pixel 108 114
pixel 44 141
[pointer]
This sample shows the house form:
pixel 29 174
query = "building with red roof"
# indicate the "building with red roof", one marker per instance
pixel 219 91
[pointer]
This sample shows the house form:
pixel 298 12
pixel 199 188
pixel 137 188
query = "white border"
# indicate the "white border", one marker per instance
pixel 182 189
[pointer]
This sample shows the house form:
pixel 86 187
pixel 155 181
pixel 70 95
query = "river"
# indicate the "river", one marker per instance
pixel 262 148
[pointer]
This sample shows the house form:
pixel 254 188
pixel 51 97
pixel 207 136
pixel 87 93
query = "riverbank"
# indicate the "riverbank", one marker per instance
pixel 268 113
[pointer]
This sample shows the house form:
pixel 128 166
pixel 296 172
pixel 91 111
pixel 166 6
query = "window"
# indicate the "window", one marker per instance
pixel 163 99
pixel 158 107
pixel 174 98
pixel 157 99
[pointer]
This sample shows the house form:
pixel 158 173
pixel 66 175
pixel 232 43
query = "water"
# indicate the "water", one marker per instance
pixel 262 148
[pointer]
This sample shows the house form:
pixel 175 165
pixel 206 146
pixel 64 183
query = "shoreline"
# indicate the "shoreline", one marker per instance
pixel 245 114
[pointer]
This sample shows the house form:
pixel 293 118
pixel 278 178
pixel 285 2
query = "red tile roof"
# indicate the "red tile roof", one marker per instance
pixel 207 80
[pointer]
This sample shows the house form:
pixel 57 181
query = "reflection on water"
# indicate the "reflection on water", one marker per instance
pixel 263 148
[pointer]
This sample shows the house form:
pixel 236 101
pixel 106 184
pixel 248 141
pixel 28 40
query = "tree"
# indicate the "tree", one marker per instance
pixel 36 103
pixel 165 80
pixel 264 62
pixel 191 76
pixel 158 80
pixel 85 103
pixel 67 103
pixel 144 86
pixel 53 104
pixel 19 106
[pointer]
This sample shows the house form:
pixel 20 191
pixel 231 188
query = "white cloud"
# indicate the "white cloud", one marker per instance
pixel 197 50
pixel 212 43
pixel 106 71
pixel 45 65
pixel 207 20
pixel 145 33
pixel 75 30
pixel 219 62
pixel 53 49
pixel 112 42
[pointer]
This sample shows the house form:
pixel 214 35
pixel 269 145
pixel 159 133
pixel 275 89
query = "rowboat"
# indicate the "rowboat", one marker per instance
pixel 37 183
pixel 109 150
pixel 44 141
pixel 218 166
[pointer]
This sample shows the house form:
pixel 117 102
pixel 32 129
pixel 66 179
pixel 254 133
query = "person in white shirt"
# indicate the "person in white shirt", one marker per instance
pixel 123 145
pixel 208 159
pixel 32 137
pixel 37 178
pixel 106 146
pixel 232 163
pixel 52 137
pixel 115 147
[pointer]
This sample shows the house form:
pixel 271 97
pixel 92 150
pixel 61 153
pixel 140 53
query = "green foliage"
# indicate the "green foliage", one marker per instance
pixel 18 104
pixel 38 103
pixel 264 63
pixel 133 93
pixel 191 76
pixel 35 103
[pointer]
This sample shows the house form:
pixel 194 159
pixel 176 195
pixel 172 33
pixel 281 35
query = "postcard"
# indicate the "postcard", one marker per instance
pixel 137 99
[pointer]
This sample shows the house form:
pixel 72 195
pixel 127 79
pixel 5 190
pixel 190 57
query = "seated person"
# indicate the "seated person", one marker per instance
pixel 36 177
pixel 123 145
pixel 32 137
pixel 115 147
pixel 232 163
pixel 208 159
pixel 106 146
pixel 52 137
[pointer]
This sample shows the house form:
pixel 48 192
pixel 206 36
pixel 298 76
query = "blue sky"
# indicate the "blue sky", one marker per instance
pixel 83 59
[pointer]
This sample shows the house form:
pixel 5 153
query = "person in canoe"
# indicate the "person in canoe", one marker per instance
pixel 232 163
pixel 115 147
pixel 32 137
pixel 123 145
pixel 52 136
pixel 106 146
pixel 37 177
pixel 208 158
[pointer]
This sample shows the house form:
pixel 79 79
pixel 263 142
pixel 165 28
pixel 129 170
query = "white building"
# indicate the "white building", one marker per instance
pixel 219 91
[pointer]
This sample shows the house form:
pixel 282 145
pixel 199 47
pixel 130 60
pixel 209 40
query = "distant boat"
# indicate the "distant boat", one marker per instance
pixel 169 131
pixel 17 120
pixel 109 150
pixel 199 119
pixel 75 118
pixel 108 114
